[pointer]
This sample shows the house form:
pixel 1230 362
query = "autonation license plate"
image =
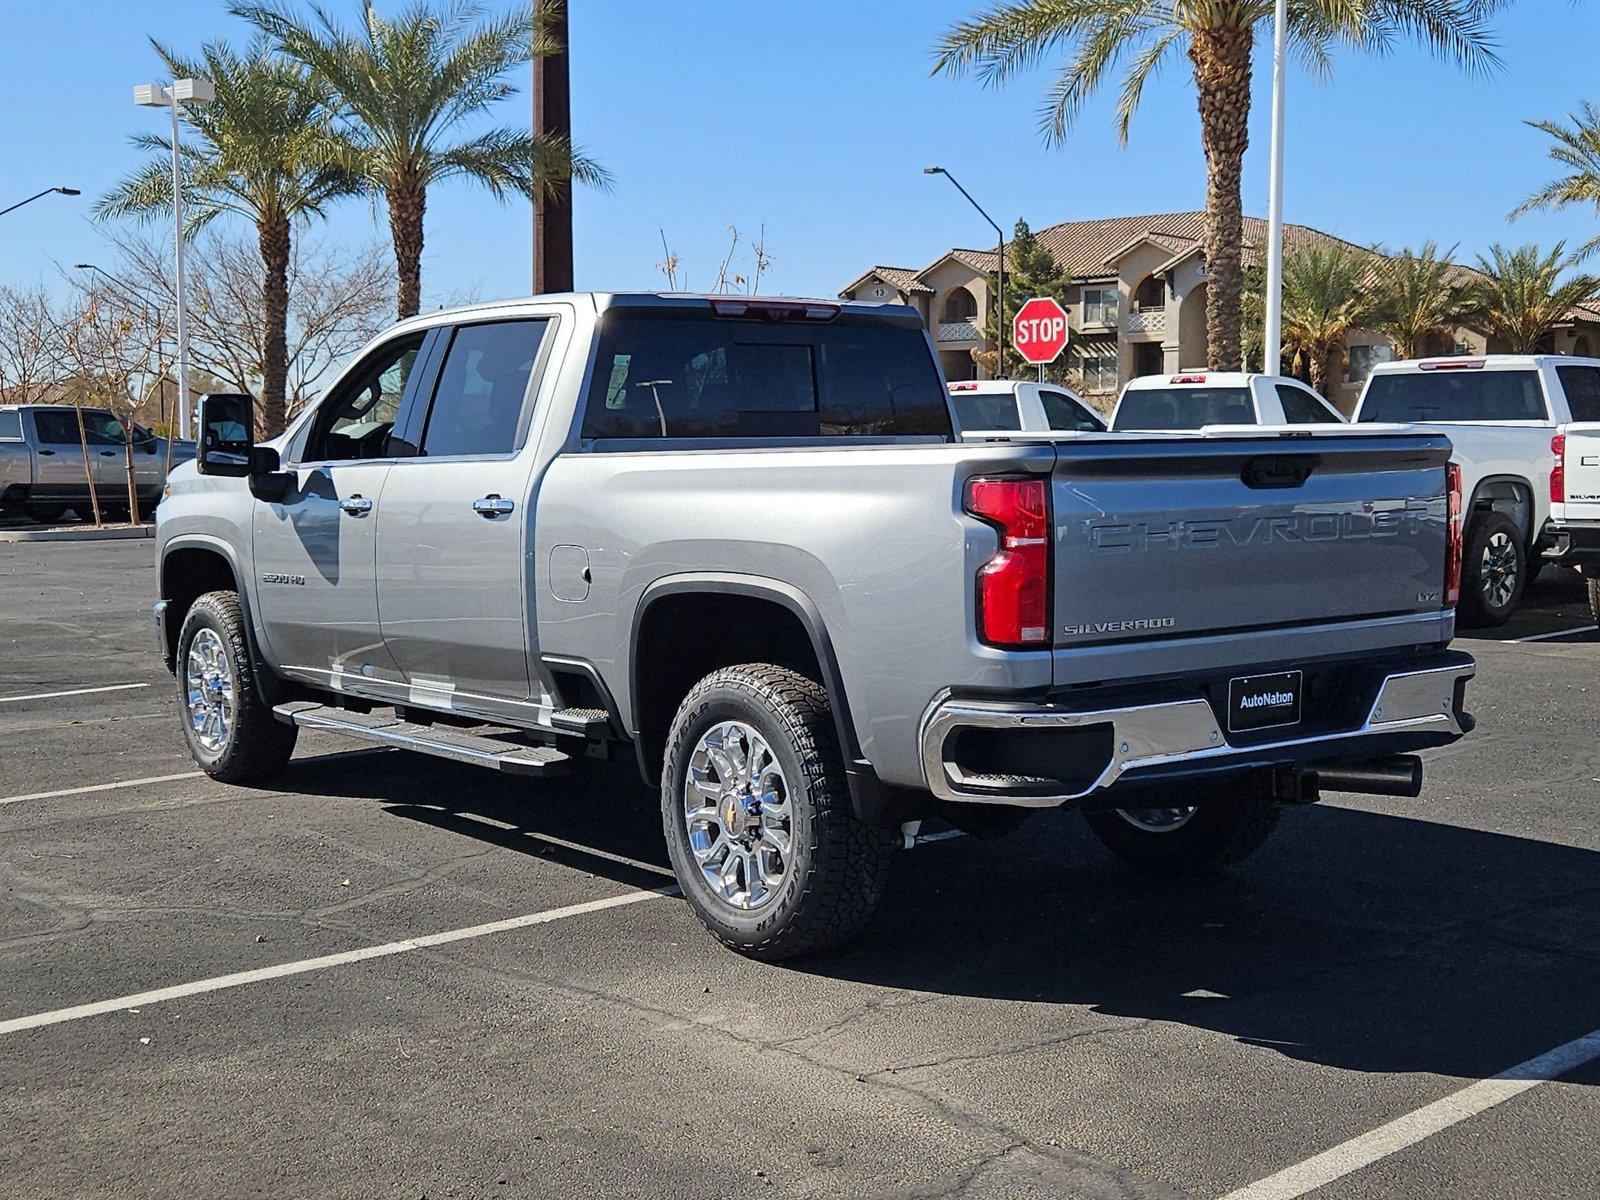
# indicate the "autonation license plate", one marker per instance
pixel 1264 701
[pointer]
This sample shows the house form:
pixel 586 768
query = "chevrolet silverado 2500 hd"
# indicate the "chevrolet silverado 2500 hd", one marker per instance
pixel 740 538
pixel 1500 412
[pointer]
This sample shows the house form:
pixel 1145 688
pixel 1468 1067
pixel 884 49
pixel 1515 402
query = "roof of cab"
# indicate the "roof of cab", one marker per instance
pixel 1481 362
pixel 891 314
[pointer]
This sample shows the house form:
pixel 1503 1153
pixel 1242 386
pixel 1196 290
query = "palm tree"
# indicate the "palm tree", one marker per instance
pixel 265 149
pixel 1522 295
pixel 405 88
pixel 1325 298
pixel 1100 36
pixel 1577 147
pixel 1419 294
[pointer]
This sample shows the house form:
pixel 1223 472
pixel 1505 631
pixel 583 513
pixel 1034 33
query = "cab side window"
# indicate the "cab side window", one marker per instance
pixel 1061 411
pixel 10 426
pixel 478 402
pixel 1302 408
pixel 355 421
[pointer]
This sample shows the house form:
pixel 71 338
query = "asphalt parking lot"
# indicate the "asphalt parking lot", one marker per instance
pixel 1023 1019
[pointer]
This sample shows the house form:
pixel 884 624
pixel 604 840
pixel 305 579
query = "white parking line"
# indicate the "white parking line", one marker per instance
pixel 219 983
pixel 1424 1122
pixel 100 787
pixel 1541 637
pixel 115 687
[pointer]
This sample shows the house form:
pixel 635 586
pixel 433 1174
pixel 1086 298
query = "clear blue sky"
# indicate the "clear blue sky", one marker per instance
pixel 815 118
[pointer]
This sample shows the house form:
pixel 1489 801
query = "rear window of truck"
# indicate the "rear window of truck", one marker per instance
pixel 995 410
pixel 671 375
pixel 1184 408
pixel 1460 395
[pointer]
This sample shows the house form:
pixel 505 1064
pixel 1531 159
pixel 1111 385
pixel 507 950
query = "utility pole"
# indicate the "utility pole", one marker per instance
pixel 552 117
pixel 1272 338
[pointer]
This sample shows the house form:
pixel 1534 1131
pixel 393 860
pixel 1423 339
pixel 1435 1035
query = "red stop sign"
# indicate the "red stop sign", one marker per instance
pixel 1039 330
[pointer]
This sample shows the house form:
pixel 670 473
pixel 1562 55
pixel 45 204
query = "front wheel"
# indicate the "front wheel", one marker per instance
pixel 1186 839
pixel 232 734
pixel 1594 599
pixel 1494 570
pixel 758 820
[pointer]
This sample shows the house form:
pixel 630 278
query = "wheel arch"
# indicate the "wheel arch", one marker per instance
pixel 190 567
pixel 1512 495
pixel 676 597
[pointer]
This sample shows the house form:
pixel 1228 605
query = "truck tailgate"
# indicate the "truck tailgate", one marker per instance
pixel 1173 537
pixel 1582 473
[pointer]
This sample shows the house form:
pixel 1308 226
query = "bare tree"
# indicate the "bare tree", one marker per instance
pixel 32 344
pixel 116 345
pixel 730 276
pixel 339 299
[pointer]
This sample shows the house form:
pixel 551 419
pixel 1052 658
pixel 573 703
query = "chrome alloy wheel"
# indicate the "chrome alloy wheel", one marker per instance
pixel 208 691
pixel 737 811
pixel 1158 820
pixel 1499 569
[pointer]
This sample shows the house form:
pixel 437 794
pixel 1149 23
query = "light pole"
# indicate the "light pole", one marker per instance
pixel 154 95
pixel 1272 335
pixel 1000 270
pixel 64 191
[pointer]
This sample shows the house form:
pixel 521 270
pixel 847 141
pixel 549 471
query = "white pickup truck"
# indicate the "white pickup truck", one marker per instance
pixel 1195 399
pixel 987 407
pixel 1574 530
pixel 1501 413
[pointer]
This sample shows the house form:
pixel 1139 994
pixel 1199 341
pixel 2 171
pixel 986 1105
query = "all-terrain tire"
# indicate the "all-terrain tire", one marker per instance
pixel 838 863
pixel 1493 545
pixel 258 745
pixel 1217 835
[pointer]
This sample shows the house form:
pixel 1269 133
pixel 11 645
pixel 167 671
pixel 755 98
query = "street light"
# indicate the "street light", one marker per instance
pixel 1272 335
pixel 63 191
pixel 1000 268
pixel 155 95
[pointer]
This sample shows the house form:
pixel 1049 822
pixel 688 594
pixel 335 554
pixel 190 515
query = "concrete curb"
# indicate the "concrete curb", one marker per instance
pixel 72 533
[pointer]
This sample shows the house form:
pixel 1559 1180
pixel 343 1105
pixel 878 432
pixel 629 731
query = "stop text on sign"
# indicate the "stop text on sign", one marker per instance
pixel 1039 330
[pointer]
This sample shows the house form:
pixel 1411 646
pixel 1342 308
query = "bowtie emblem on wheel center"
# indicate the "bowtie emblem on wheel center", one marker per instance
pixel 734 813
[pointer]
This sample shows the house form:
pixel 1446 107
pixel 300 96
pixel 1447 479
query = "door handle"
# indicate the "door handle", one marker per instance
pixel 356 506
pixel 46 453
pixel 493 505
pixel 108 454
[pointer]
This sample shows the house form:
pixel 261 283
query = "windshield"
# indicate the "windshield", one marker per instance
pixel 1461 395
pixel 1184 408
pixel 996 410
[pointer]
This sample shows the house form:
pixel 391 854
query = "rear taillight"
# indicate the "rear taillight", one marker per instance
pixel 1452 557
pixel 1558 473
pixel 1014 585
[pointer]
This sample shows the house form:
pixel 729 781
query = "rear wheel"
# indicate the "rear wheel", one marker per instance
pixel 758 819
pixel 1494 570
pixel 231 732
pixel 1186 839
pixel 46 514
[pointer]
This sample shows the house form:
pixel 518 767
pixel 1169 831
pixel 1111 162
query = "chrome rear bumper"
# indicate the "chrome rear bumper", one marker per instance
pixel 1159 736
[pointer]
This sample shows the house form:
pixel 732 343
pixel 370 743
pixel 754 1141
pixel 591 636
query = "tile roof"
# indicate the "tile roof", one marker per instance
pixel 1086 250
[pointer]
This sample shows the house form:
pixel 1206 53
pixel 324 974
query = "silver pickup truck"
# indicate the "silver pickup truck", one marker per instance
pixel 42 455
pixel 739 539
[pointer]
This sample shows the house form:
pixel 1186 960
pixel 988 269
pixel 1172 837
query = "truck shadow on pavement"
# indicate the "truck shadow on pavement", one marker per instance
pixel 1354 940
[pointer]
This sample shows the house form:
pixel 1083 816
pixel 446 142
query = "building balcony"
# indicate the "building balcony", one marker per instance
pixel 1149 320
pixel 964 333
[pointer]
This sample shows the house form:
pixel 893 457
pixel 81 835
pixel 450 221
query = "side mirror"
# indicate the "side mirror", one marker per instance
pixel 267 481
pixel 227 434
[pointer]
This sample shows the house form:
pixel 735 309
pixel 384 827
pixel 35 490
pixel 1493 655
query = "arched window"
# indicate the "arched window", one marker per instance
pixel 1580 348
pixel 959 305
pixel 1150 295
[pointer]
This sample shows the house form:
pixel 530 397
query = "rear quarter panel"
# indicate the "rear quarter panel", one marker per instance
pixel 873 536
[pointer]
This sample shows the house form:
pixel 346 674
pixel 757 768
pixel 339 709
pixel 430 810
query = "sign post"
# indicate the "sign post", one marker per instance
pixel 1039 331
